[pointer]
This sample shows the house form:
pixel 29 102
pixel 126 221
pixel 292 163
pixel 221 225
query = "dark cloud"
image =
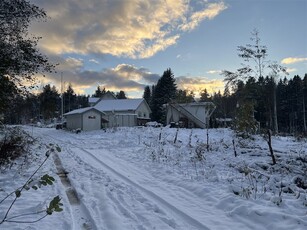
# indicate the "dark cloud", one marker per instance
pixel 122 76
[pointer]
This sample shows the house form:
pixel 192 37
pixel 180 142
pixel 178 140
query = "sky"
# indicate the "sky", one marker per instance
pixel 128 44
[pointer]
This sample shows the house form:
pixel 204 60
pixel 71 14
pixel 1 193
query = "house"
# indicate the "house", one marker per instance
pixel 108 112
pixel 107 96
pixel 86 119
pixel 124 112
pixel 189 115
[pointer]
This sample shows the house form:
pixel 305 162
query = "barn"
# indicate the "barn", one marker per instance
pixel 86 119
pixel 108 113
pixel 190 115
pixel 124 112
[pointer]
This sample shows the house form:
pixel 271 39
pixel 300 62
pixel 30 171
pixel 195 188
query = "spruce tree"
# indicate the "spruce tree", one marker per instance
pixel 121 95
pixel 147 95
pixel 165 90
pixel 49 102
pixel 204 95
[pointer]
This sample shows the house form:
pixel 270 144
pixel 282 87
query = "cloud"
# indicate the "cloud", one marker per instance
pixel 134 28
pixel 292 60
pixel 72 63
pixel 125 77
pixel 94 61
pixel 212 10
pixel 214 71
pixel 122 77
pixel 290 70
pixel 197 84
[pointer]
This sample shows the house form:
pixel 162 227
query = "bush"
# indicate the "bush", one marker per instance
pixel 14 143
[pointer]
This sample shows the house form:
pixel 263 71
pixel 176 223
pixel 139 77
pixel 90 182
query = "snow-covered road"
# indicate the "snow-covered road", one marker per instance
pixel 127 196
pixel 131 178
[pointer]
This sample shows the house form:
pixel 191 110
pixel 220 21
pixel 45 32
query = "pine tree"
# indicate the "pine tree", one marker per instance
pixel 70 99
pixel 121 95
pixel 147 95
pixel 184 96
pixel 49 102
pixel 204 95
pixel 165 90
pixel 99 93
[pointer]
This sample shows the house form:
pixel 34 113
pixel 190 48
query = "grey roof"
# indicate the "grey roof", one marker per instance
pixel 80 111
pixel 93 99
pixel 118 104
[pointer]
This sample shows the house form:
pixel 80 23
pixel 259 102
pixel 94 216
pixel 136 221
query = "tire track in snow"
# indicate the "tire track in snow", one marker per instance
pixel 188 219
pixel 78 210
pixel 157 199
pixel 118 199
pixel 136 208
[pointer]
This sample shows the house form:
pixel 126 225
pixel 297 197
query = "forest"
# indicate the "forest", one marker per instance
pixel 250 100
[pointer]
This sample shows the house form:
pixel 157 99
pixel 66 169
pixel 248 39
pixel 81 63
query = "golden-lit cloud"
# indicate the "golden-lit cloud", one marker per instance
pixel 128 28
pixel 126 77
pixel 212 10
pixel 197 84
pixel 122 77
pixel 292 60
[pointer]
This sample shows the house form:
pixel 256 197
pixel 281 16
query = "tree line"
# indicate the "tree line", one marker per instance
pixel 252 102
pixel 257 95
pixel 47 105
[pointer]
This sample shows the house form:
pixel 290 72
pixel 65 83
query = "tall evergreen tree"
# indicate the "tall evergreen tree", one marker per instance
pixel 184 96
pixel 147 95
pixel 49 102
pixel 204 95
pixel 99 92
pixel 121 95
pixel 70 99
pixel 165 90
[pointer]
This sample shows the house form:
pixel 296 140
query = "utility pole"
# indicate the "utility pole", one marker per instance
pixel 62 97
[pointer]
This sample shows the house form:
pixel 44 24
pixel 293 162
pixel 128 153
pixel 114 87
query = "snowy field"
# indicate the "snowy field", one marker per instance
pixel 162 178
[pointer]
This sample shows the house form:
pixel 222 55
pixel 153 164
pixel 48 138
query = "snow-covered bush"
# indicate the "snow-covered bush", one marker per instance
pixel 14 143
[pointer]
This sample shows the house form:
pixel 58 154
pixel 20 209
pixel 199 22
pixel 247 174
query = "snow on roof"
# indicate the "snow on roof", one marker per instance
pixel 93 99
pixel 79 111
pixel 118 104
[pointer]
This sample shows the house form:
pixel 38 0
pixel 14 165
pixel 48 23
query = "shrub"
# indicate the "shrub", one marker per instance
pixel 14 143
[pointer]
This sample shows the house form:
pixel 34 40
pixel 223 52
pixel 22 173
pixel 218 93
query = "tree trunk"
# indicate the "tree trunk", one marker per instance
pixel 304 115
pixel 270 147
pixel 275 110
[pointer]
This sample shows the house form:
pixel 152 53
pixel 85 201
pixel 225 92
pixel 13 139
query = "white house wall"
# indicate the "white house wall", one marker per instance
pixel 91 120
pixel 142 111
pixel 74 121
pixel 197 111
pixel 120 120
pixel 172 115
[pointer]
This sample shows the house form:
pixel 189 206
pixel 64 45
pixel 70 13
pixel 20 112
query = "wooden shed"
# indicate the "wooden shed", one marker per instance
pixel 190 115
pixel 86 119
pixel 124 112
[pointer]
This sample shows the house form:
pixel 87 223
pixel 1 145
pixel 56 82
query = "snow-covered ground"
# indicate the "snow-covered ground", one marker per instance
pixel 162 178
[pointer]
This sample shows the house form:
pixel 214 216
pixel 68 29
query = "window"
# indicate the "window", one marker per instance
pixel 91 117
pixel 144 114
